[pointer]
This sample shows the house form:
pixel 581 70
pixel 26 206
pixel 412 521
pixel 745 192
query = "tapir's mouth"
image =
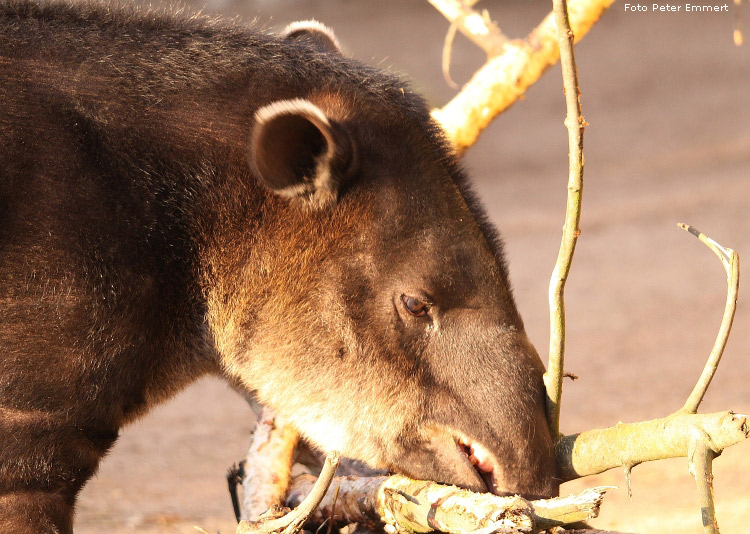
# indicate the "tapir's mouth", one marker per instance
pixel 484 463
pixel 464 461
pixel 482 460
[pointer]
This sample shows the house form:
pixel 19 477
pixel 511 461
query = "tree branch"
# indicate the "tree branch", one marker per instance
pixel 731 262
pixel 575 124
pixel 477 28
pixel 504 78
pixel 292 522
pixel 399 501
pixel 267 465
pixel 699 464
pixel 702 449
pixel 629 444
pixel 402 504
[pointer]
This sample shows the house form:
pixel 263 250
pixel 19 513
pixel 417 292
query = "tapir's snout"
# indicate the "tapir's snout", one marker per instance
pixel 489 431
pixel 450 457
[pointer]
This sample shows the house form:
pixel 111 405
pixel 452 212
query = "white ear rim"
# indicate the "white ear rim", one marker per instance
pixel 313 26
pixel 292 106
pixel 321 192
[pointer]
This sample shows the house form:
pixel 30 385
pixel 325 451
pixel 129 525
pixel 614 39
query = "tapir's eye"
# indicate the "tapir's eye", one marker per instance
pixel 414 306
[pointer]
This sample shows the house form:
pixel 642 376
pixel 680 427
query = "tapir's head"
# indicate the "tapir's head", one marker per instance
pixel 375 310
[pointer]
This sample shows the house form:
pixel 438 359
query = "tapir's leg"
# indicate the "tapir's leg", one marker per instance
pixel 45 459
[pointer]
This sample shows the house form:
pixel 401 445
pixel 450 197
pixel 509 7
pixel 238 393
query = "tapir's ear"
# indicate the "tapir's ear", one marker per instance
pixel 313 32
pixel 299 153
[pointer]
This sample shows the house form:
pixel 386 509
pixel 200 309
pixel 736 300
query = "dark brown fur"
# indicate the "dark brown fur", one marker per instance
pixel 138 252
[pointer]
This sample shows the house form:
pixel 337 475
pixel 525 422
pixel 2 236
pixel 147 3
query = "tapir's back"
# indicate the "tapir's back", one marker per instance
pixel 106 114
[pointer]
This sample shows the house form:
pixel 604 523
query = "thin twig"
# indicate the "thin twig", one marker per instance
pixel 479 29
pixel 575 124
pixel 447 51
pixel 333 509
pixel 699 464
pixel 450 37
pixel 506 77
pixel 731 262
pixel 294 520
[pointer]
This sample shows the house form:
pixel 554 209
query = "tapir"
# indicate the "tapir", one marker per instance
pixel 183 196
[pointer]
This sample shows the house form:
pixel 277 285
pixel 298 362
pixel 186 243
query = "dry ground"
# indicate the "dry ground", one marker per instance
pixel 667 97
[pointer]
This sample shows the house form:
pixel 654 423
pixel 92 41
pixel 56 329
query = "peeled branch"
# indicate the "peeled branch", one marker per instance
pixel 400 504
pixel 268 464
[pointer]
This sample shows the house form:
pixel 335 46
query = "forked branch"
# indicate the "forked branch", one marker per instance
pixel 629 444
pixel 684 433
pixel 507 76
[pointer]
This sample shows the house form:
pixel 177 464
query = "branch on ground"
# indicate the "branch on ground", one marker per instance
pixel 400 504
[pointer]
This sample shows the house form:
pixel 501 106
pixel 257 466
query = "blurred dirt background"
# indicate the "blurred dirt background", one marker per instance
pixel 667 96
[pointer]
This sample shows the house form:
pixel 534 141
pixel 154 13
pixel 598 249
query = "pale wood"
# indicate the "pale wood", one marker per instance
pixel 397 503
pixel 504 78
pixel 267 465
